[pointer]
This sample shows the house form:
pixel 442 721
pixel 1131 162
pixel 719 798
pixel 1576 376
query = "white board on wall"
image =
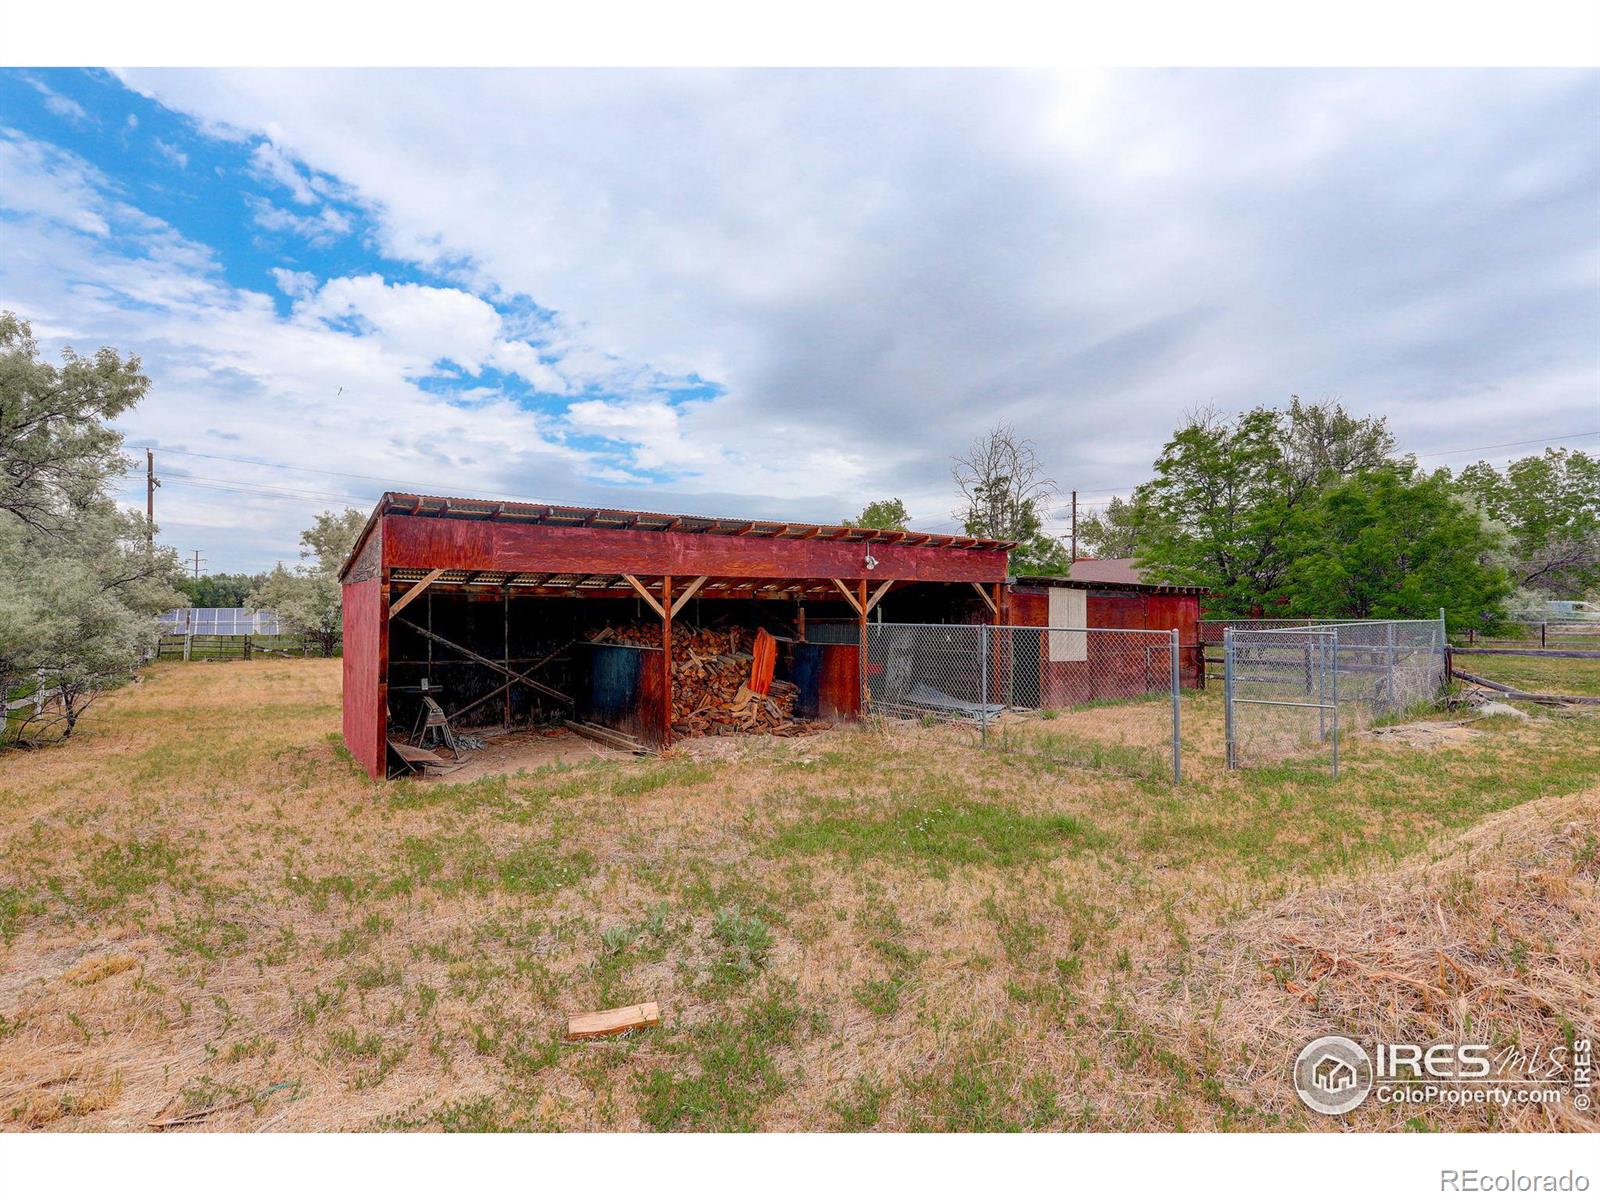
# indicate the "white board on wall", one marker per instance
pixel 1069 608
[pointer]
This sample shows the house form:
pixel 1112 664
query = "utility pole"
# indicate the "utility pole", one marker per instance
pixel 1074 524
pixel 197 564
pixel 151 483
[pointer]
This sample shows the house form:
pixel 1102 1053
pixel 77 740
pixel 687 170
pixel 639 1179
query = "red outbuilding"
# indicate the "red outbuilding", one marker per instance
pixel 496 612
pixel 1104 594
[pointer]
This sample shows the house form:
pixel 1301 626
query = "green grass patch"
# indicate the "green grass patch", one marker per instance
pixel 950 834
pixel 730 1072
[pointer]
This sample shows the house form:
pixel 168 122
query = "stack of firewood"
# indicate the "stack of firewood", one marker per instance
pixel 711 682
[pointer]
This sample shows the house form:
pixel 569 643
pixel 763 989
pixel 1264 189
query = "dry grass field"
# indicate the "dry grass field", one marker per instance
pixel 210 919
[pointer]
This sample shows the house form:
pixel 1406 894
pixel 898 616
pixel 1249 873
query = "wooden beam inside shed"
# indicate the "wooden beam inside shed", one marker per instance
pixel 878 594
pixel 648 598
pixel 850 595
pixel 688 594
pixel 415 590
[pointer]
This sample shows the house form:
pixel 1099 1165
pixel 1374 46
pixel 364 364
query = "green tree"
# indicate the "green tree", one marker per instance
pixel 1219 512
pixel 220 590
pixel 881 514
pixel 1111 532
pixel 79 584
pixel 306 602
pixel 308 599
pixel 330 539
pixel 1550 506
pixel 58 455
pixel 1392 542
pixel 1005 491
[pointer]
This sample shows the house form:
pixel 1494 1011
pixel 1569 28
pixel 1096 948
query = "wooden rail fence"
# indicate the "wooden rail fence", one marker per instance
pixel 221 647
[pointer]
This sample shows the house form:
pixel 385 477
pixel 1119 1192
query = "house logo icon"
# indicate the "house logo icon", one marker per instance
pixel 1332 1075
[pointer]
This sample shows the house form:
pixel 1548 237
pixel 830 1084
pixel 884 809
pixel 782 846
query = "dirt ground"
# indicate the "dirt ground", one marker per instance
pixel 506 753
pixel 210 919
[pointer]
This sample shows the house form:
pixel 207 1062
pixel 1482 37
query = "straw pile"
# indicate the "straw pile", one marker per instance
pixel 1494 939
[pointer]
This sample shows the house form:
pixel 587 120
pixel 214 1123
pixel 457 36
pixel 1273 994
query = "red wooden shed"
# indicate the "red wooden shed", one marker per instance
pixel 1106 594
pixel 490 607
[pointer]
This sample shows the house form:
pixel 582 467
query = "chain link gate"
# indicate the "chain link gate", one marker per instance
pixel 1290 690
pixel 1104 697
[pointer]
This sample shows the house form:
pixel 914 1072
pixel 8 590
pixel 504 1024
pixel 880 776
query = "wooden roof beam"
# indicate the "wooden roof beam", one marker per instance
pixel 415 590
pixel 648 598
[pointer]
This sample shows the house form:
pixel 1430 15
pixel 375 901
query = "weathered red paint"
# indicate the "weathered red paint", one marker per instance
pixel 430 542
pixel 366 692
pixel 839 685
pixel 1114 670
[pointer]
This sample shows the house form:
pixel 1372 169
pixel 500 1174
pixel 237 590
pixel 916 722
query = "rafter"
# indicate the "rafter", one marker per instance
pixel 415 590
pixel 648 598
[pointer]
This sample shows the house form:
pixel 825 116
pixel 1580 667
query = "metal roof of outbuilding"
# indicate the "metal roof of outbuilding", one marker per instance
pixel 580 516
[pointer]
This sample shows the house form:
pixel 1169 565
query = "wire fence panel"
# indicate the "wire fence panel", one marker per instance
pixel 1104 698
pixel 1291 691
pixel 1278 694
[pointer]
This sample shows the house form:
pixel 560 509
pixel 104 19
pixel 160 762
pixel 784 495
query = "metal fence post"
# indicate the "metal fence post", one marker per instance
pixel 1388 631
pixel 1227 697
pixel 1322 686
pixel 1177 742
pixel 1336 702
pixel 1444 655
pixel 983 665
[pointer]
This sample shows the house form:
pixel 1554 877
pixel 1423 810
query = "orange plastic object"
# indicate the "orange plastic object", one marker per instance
pixel 764 656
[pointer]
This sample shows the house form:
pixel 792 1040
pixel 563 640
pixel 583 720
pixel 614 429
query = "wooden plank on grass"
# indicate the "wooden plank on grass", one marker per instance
pixel 416 754
pixel 613 1021
pixel 614 738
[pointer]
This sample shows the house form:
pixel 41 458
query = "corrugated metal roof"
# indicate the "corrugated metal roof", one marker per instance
pixel 1106 572
pixel 579 516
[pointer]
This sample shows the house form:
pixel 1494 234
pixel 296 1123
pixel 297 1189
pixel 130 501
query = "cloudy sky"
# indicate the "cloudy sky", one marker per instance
pixel 786 293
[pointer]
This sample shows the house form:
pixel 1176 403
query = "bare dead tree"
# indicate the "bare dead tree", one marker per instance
pixel 1004 484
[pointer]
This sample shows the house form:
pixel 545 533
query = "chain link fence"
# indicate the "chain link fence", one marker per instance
pixel 1289 691
pixel 1104 698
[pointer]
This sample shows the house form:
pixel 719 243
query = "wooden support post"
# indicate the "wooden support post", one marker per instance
pixel 878 593
pixel 800 620
pixel 850 596
pixel 687 593
pixel 648 598
pixel 415 590
pixel 506 652
pixel 861 664
pixel 993 602
pixel 667 609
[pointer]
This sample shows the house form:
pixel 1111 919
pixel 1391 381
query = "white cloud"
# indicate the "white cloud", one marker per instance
pixel 294 283
pixel 42 182
pixel 419 325
pixel 319 228
pixel 272 163
pixel 62 106
pixel 877 265
pixel 172 154
pixel 232 377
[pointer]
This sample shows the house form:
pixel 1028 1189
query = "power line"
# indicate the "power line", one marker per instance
pixel 1560 437
pixel 388 481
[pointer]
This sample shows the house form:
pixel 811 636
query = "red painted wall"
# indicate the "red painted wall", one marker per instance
pixel 1115 668
pixel 431 542
pixel 839 694
pixel 366 693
